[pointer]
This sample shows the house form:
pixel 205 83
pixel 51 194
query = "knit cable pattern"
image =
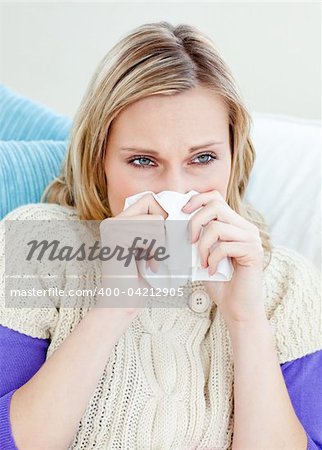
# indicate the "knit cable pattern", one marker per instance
pixel 168 383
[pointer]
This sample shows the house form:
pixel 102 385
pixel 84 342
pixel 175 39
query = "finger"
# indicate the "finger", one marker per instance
pixel 215 210
pixel 153 264
pixel 143 238
pixel 204 198
pixel 198 200
pixel 246 254
pixel 146 251
pixel 218 231
pixel 147 204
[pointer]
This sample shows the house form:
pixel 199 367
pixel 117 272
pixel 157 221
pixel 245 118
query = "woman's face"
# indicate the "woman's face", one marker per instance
pixel 150 144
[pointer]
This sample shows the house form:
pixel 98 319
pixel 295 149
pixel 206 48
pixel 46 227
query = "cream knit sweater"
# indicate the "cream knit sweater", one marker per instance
pixel 169 381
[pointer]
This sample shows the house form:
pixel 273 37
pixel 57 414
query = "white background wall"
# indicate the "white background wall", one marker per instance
pixel 48 51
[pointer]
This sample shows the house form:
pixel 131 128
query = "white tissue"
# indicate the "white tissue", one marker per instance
pixel 172 202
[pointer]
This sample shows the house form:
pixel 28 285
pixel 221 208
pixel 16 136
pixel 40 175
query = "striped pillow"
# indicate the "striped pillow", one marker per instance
pixel 22 119
pixel 26 168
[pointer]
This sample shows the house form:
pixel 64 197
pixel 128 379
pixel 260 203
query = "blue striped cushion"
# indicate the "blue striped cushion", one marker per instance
pixel 26 168
pixel 27 120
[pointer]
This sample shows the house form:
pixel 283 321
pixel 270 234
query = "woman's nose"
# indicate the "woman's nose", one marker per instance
pixel 175 188
pixel 176 183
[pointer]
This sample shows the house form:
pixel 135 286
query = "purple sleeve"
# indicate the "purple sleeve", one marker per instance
pixel 21 356
pixel 303 379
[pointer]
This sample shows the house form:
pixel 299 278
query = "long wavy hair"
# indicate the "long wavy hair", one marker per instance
pixel 154 58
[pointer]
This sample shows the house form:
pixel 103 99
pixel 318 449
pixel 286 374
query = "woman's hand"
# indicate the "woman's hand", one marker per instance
pixel 144 220
pixel 241 298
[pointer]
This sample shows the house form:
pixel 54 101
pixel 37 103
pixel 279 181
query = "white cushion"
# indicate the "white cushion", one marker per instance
pixel 285 183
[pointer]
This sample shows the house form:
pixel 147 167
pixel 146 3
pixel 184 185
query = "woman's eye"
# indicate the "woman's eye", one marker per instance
pixel 205 161
pixel 140 158
pixel 144 161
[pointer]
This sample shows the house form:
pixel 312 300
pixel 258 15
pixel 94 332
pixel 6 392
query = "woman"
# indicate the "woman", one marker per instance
pixel 241 371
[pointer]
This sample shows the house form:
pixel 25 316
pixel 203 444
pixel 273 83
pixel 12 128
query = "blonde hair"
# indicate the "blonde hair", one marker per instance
pixel 154 58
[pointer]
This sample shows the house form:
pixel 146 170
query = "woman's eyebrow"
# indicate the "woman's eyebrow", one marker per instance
pixel 191 149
